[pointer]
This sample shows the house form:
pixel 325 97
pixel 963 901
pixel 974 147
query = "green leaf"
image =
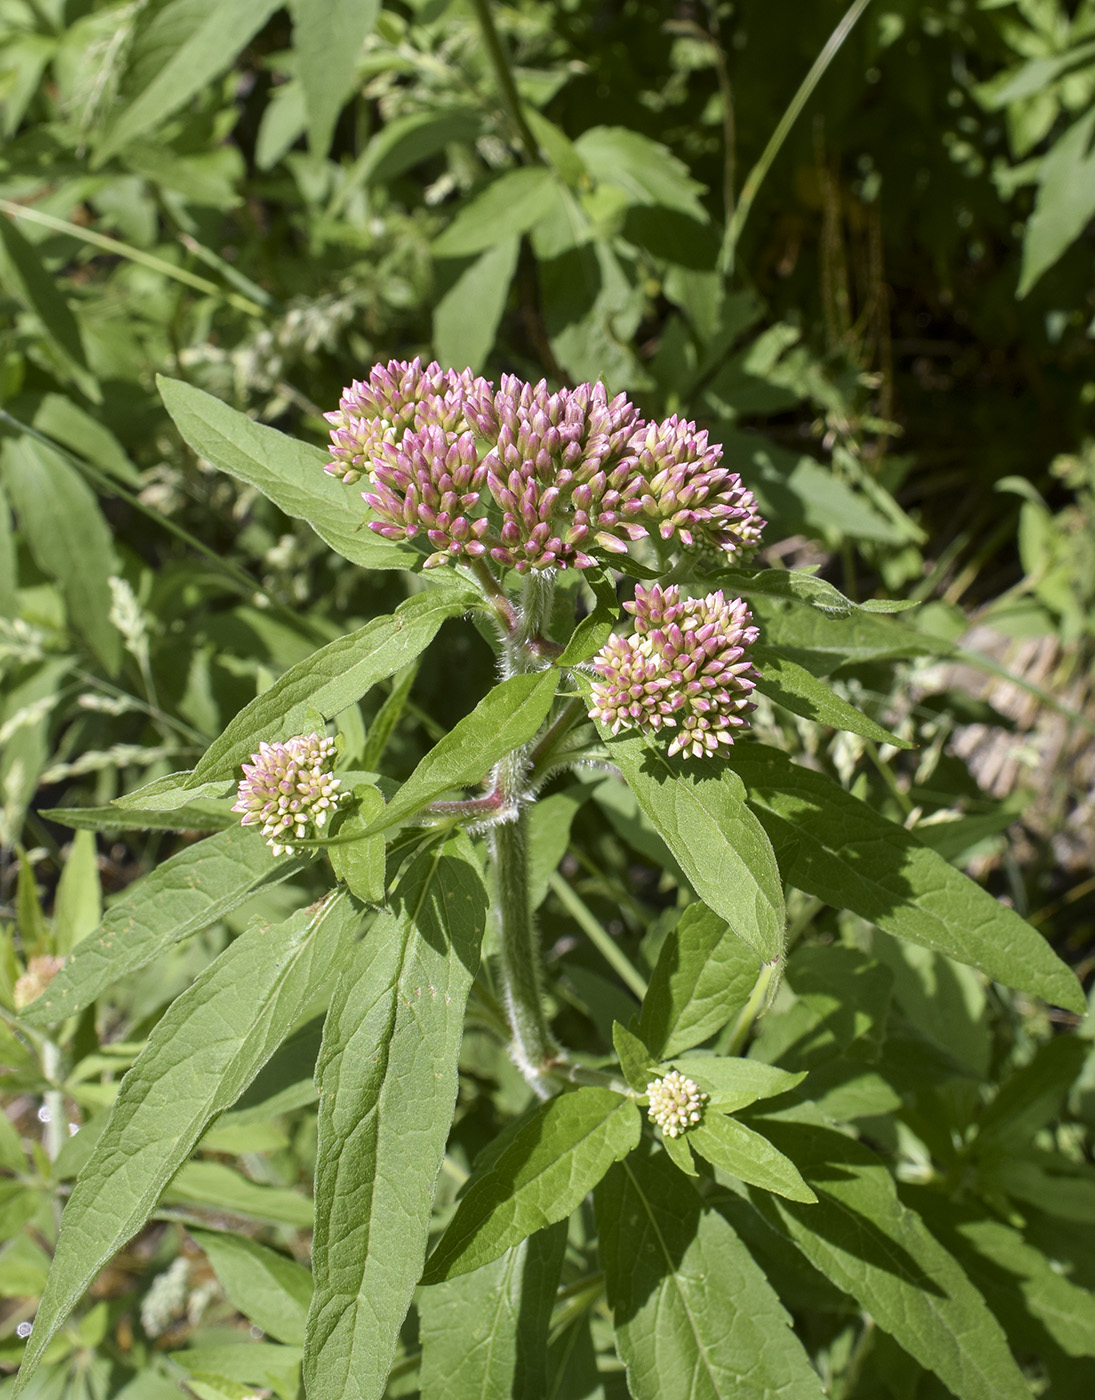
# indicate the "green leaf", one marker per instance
pixel 1031 1098
pixel 361 863
pixel 645 169
pixel 194 816
pixel 636 1061
pixel 408 140
pixel 1065 202
pixel 216 1187
pixel 821 641
pixel 509 205
pixel 596 627
pixel 549 823
pixel 259 1364
pixel 732 1083
pixel 8 575
pixel 78 907
pixel 211 36
pixel 68 538
pixel 387 1081
pixel 200 1056
pixel 698 807
pixel 793 687
pixel 485 1333
pixel 734 1148
pixel 269 1288
pixel 23 275
pixel 289 472
pixel 695 1317
pixel 542 1173
pixel 506 718
pixel 835 847
pixel 327 40
pixel 465 319
pixel 702 978
pixel 865 1241
pixel 182 896
pixel 796 585
pixel 337 675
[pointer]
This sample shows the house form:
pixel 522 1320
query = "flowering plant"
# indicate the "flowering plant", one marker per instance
pixel 547 517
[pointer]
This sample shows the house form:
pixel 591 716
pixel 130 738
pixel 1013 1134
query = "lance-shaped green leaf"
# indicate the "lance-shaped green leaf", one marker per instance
pixel 821 641
pixel 732 1083
pixel 701 980
pixel 289 472
pixel 695 1317
pixel 170 792
pixel 387 1082
pixel 796 585
pixel 596 627
pixel 270 1288
pixel 736 1149
pixel 192 817
pixel 1031 1097
pixel 182 896
pixel 485 1333
pixel 23 276
pixel 327 40
pixel 864 1240
pixel 793 687
pixel 337 675
pixel 503 720
pixel 698 807
pixel 543 1173
pixel 834 846
pixel 200 1057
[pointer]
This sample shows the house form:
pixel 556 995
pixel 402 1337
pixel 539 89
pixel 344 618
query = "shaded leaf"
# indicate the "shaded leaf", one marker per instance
pixel 465 319
pixel 269 1288
pixel 327 40
pixel 734 1148
pixel 793 687
pixel 510 204
pixel 22 273
pixel 1065 203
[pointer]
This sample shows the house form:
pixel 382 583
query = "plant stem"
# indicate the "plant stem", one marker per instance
pixel 55 1125
pixel 760 998
pixel 511 99
pixel 533 1045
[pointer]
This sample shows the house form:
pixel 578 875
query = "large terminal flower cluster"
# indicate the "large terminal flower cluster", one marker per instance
pixel 686 668
pixel 528 478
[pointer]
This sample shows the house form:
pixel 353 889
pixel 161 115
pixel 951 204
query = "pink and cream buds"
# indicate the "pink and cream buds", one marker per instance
pixel 528 478
pixel 685 668
pixel 287 788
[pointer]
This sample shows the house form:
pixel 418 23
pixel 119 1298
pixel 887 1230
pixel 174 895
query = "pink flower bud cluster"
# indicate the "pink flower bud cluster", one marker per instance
pixel 529 478
pixel 685 668
pixel 287 788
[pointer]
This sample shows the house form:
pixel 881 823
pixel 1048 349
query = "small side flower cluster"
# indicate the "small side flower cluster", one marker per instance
pixel 288 787
pixel 686 667
pixel 529 478
pixel 41 971
pixel 676 1103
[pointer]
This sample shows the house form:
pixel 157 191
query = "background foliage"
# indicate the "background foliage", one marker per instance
pixel 894 346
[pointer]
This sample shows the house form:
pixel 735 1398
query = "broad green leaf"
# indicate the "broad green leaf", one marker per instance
pixel 218 1188
pixel 701 980
pixel 337 675
pixel 698 807
pixel 410 139
pixel 79 905
pixel 465 319
pixel 216 33
pixel 1031 1098
pixel 261 1364
pixel 485 1333
pixel 509 205
pixel 192 817
pixel 820 641
pixel 24 277
pixel 387 1083
pixel 67 536
pixel 503 720
pixel 289 472
pixel 327 40
pixel 63 420
pixel 835 847
pixel 1065 201
pixel 200 1057
pixel 269 1288
pixel 361 863
pixel 645 169
pixel 732 1083
pixel 182 896
pixel 793 687
pixel 695 1317
pixel 544 1171
pixel 734 1148
pixel 864 1240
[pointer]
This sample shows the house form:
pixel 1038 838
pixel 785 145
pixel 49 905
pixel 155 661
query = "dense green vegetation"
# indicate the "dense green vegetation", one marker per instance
pixel 852 244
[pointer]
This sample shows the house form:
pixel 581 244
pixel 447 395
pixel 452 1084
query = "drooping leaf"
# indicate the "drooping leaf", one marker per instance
pixel 699 810
pixel 504 719
pixel 821 641
pixel 200 1056
pixel 270 1288
pixel 182 896
pixel 327 40
pixel 834 846
pixel 865 1241
pixel 205 40
pixel 465 319
pixel 407 140
pixel 337 675
pixel 1032 1096
pixel 793 687
pixel 289 472
pixel 695 1318
pixel 485 1333
pixel 68 537
pixel 702 978
pixel 387 1083
pixel 545 1169
pixel 736 1149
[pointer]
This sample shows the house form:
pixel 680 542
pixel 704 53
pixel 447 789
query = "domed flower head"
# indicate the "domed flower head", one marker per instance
pixel 685 668
pixel 676 1103
pixel 398 396
pixel 287 787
